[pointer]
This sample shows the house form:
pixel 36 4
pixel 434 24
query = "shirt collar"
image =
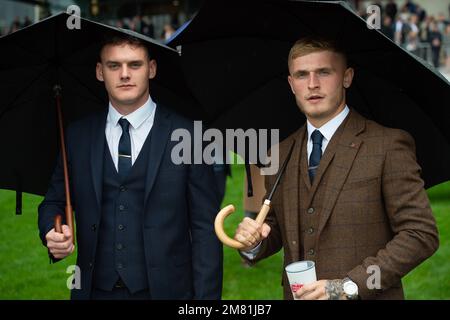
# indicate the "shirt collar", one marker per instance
pixel 329 128
pixel 136 118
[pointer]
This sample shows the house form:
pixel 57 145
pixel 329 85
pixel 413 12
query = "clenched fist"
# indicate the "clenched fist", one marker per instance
pixel 60 245
pixel 249 233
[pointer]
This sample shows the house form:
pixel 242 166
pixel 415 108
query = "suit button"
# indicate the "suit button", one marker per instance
pixel 123 188
pixel 121 227
pixel 311 210
pixel 311 252
pixel 94 227
pixel 310 230
pixel 294 242
pixel 121 207
pixel 119 266
pixel 90 264
pixel 119 246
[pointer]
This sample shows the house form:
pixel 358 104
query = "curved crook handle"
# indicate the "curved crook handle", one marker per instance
pixel 225 212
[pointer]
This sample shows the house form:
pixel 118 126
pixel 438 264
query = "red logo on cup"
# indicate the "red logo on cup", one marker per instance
pixel 296 287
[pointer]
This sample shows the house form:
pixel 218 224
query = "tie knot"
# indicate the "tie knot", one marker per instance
pixel 124 124
pixel 316 137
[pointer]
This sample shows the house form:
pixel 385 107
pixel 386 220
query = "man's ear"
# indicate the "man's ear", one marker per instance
pixel 290 80
pixel 152 69
pixel 348 77
pixel 99 71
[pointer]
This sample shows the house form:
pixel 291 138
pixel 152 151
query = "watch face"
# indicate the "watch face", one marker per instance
pixel 350 288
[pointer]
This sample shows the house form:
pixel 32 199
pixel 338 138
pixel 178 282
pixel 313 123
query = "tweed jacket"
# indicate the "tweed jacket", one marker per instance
pixel 370 215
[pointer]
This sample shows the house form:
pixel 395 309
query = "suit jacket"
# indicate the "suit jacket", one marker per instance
pixel 371 209
pixel 182 253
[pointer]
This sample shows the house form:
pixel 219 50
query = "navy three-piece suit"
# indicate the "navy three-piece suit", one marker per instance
pixel 154 229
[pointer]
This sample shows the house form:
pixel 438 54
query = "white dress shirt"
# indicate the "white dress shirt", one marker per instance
pixel 327 130
pixel 141 122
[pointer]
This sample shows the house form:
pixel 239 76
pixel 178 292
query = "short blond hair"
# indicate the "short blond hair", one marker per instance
pixel 309 45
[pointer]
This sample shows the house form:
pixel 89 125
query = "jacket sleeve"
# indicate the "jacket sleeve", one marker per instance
pixel 410 217
pixel 273 243
pixel 207 251
pixel 54 202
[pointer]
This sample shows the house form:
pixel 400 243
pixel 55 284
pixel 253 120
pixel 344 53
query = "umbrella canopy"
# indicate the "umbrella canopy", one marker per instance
pixel 35 59
pixel 234 57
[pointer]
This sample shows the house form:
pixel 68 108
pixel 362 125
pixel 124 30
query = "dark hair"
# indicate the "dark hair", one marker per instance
pixel 120 39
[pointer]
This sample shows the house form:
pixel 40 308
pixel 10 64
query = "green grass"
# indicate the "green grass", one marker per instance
pixel 261 281
pixel 431 279
pixel 25 272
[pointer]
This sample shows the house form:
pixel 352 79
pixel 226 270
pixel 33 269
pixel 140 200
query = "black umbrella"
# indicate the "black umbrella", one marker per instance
pixel 234 56
pixel 48 55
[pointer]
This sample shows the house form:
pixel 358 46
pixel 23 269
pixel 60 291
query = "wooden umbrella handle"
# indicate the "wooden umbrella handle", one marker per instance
pixel 69 210
pixel 265 208
pixel 225 212
pixel 58 223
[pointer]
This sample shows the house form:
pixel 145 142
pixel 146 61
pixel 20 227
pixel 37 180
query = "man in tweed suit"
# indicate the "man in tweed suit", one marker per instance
pixel 351 200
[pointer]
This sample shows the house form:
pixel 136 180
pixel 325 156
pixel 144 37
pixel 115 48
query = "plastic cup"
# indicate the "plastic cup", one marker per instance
pixel 300 273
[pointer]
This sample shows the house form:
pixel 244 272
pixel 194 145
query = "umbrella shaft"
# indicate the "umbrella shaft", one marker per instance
pixel 69 210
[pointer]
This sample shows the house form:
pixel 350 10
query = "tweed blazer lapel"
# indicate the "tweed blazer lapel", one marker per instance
pixel 290 194
pixel 327 157
pixel 345 148
pixel 304 176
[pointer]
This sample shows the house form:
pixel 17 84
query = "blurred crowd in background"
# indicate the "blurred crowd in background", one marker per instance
pixel 143 25
pixel 409 25
pixel 405 22
pixel 157 19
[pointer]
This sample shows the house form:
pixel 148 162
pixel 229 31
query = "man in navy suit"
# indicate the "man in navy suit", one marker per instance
pixel 144 225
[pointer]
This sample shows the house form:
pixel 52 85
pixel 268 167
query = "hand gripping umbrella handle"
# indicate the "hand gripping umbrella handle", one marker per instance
pixel 225 212
pixel 58 221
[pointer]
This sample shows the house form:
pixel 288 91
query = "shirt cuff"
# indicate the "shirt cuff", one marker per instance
pixel 252 253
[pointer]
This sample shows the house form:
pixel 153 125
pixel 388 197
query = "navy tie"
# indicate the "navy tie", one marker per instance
pixel 316 154
pixel 124 149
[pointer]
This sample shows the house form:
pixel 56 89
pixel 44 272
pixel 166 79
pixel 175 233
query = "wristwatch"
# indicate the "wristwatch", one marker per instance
pixel 350 289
